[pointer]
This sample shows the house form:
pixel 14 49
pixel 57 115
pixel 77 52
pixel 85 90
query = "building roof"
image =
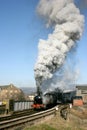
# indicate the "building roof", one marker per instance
pixel 6 86
pixel 82 87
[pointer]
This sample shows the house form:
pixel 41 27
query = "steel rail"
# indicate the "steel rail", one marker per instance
pixel 17 114
pixel 30 119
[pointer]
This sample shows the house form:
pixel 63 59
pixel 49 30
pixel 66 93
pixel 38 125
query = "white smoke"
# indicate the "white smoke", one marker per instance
pixel 68 26
pixel 66 77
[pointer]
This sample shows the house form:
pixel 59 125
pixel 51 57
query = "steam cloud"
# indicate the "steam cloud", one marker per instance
pixel 68 26
pixel 65 78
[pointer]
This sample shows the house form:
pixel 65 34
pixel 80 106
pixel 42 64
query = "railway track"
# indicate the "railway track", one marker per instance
pixel 17 114
pixel 20 122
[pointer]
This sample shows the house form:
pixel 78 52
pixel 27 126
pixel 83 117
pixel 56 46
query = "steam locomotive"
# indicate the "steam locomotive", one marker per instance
pixel 52 98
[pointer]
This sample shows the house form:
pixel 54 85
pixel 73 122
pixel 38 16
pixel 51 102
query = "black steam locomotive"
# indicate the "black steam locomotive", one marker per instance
pixel 53 98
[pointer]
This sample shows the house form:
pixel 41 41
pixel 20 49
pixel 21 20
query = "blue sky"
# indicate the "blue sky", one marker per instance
pixel 20 31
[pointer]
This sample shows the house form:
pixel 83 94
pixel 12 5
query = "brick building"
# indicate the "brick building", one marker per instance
pixel 82 91
pixel 11 92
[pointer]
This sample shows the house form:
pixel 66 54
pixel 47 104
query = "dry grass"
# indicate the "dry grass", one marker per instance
pixel 58 123
pixel 80 112
pixel 69 124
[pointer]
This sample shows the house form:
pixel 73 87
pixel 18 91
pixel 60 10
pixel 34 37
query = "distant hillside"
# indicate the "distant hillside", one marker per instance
pixel 28 90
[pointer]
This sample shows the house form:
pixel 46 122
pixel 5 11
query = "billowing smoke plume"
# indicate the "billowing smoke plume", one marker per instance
pixel 68 26
pixel 65 78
